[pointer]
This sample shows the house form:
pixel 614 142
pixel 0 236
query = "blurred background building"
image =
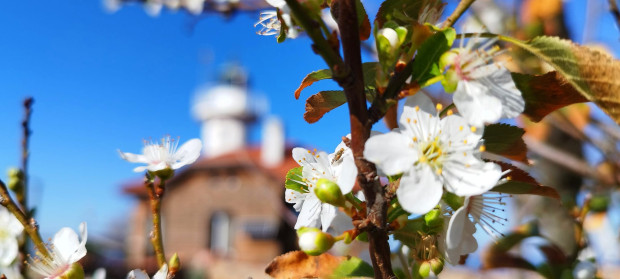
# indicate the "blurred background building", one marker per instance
pixel 225 214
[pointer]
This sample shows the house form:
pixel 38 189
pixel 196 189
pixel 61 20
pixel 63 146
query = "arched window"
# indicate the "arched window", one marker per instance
pixel 219 237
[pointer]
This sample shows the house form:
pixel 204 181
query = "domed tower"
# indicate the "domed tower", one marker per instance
pixel 224 111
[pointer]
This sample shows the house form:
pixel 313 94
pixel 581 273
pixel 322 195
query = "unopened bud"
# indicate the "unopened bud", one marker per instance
pixel 424 269
pixel 174 264
pixel 75 271
pixel 447 59
pixel 314 241
pixel 390 35
pixel 437 265
pixel 329 192
pixel 450 81
pixel 433 218
pixel 16 180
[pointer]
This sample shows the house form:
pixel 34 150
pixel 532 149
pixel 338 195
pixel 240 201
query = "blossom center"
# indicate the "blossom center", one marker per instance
pixel 431 154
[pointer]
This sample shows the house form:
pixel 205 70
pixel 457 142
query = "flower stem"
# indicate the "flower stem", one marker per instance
pixel 432 81
pixel 155 195
pixel 30 226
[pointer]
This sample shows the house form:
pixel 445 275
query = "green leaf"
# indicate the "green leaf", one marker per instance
pixel 363 22
pixel 521 183
pixel 546 93
pixel 404 12
pixel 353 267
pixel 312 78
pixel 592 73
pixel 505 140
pixel 425 64
pixel 293 180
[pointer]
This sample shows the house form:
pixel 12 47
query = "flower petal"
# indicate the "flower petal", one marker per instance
pixel 476 103
pixel 328 213
pixel 419 190
pixel 454 234
pixel 346 173
pixel 133 158
pixel 500 83
pixel 161 273
pixel 187 153
pixel 69 247
pixel 137 274
pixel 302 155
pixel 310 213
pixel 390 152
pixel 8 250
pixel 422 101
pixel 470 176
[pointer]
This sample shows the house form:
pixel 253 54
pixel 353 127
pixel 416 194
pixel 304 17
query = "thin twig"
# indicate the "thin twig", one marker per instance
pixel 30 226
pixel 561 158
pixel 403 262
pixel 22 196
pixel 458 12
pixel 155 195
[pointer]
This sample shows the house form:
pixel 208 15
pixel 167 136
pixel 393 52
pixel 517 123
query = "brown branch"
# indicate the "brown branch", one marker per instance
pixel 155 195
pixel 613 8
pixel 353 85
pixel 458 12
pixel 30 226
pixel 22 196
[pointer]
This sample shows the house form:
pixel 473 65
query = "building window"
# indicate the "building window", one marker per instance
pixel 219 242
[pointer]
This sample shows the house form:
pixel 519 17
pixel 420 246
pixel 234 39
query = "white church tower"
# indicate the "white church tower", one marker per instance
pixel 224 110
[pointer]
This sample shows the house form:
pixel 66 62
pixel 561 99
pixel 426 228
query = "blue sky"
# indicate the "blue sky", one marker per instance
pixel 103 82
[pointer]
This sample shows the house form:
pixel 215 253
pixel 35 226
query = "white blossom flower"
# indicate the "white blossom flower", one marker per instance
pixel 10 229
pixel 431 153
pixel 485 91
pixel 165 155
pixel 480 210
pixel 270 24
pixel 140 274
pixel 338 167
pixel 65 250
pixel 584 270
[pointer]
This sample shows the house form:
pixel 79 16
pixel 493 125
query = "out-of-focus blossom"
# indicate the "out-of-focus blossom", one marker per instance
pixel 65 250
pixel 165 155
pixel 10 229
pixel 140 274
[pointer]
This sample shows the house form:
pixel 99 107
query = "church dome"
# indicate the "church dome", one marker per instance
pixel 221 101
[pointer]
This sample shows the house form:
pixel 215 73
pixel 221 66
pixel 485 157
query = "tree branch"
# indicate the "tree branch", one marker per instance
pixel 613 8
pixel 353 85
pixel 458 12
pixel 155 195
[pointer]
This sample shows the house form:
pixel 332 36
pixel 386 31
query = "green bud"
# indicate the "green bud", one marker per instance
pixel 433 218
pixel 16 180
pixel 437 265
pixel 174 264
pixel 329 192
pixel 164 174
pixel 363 237
pixel 447 59
pixel 74 272
pixel 314 241
pixel 450 81
pixel 599 203
pixel 424 269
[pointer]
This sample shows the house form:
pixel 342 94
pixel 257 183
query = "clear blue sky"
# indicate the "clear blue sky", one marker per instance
pixel 104 82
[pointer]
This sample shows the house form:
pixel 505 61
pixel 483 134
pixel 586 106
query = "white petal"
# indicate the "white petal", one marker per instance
pixel 455 232
pixel 187 153
pixel 340 223
pixel 469 176
pixel 302 155
pixel 276 3
pixel 390 152
pixel 476 103
pixel 68 245
pixel 346 174
pixel 99 273
pixel 310 213
pixel 159 166
pixel 133 158
pixel 422 101
pixel 8 250
pixel 500 83
pixel 137 274
pixel 419 191
pixel 162 272
pixel 292 196
pixel 140 169
pixel 328 213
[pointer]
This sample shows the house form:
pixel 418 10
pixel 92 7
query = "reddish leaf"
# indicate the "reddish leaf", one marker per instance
pixel 546 93
pixel 297 264
pixel 505 140
pixel 521 183
pixel 312 78
pixel 321 103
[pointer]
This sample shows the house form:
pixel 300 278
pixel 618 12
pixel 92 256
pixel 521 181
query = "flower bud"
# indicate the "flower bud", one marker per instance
pixel 314 241
pixel 390 35
pixel 174 264
pixel 437 265
pixel 450 81
pixel 433 218
pixel 75 271
pixel 424 269
pixel 16 180
pixel 447 59
pixel 329 192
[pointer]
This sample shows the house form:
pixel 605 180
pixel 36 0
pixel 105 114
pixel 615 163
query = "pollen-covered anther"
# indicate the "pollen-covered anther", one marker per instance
pixel 460 128
pixel 473 129
pixel 439 107
pixel 450 112
pixel 417 108
pixel 482 148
